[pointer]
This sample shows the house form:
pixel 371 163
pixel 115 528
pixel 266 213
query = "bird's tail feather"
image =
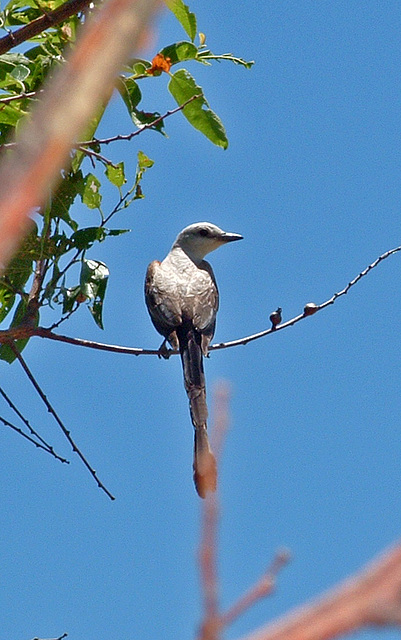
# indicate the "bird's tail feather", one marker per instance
pixel 204 465
pixel 205 468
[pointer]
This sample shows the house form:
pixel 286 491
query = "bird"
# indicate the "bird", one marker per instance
pixel 182 298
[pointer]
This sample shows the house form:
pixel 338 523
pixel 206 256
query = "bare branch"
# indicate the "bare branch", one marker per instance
pixel 310 309
pixel 42 444
pixel 58 419
pixel 371 597
pixel 35 442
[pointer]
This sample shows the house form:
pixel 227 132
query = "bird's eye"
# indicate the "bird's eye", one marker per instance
pixel 203 232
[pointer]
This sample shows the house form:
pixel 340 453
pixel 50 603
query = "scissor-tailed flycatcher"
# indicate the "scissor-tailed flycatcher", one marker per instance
pixel 182 298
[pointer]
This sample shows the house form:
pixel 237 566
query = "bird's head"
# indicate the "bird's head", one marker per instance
pixel 201 238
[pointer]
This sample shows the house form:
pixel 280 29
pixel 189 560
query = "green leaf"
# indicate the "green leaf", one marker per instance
pixel 87 135
pixel 130 93
pixel 180 51
pixel 7 299
pixel 93 283
pixel 144 162
pixel 141 118
pixel 117 232
pixel 20 267
pixel 91 195
pixel 6 352
pixel 14 59
pixel 115 173
pixel 84 238
pixel 184 16
pixel 20 72
pixel 204 56
pixel 10 114
pixel 71 185
pixel 182 87
pixel 69 297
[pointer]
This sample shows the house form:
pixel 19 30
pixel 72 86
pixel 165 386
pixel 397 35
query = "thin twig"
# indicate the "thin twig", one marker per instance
pixel 58 420
pixel 261 589
pixel 81 146
pixel 95 154
pixel 44 445
pixel 149 125
pixel 20 96
pixel 59 638
pixel 305 314
pixel 35 442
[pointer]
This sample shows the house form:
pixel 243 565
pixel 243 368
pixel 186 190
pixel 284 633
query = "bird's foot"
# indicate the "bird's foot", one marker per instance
pixel 164 351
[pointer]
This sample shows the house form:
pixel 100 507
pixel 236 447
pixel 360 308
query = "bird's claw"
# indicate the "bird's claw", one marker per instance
pixel 164 351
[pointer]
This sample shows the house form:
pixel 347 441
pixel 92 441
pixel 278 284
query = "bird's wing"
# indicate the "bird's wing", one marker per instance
pixel 162 305
pixel 206 302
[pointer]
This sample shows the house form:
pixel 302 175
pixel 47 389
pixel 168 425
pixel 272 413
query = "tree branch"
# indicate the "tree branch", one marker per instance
pixel 309 309
pixel 48 19
pixel 371 597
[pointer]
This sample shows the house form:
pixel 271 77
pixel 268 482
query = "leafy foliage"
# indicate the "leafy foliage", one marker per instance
pixel 41 274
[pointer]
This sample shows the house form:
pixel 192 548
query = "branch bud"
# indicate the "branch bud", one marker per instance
pixel 310 309
pixel 275 317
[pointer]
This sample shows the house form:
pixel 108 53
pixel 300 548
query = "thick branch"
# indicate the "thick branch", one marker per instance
pixel 48 19
pixel 372 597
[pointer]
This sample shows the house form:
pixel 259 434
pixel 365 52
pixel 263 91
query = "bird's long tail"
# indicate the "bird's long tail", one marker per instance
pixel 204 465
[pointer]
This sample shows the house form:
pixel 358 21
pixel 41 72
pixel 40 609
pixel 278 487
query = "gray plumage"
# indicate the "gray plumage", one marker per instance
pixel 182 299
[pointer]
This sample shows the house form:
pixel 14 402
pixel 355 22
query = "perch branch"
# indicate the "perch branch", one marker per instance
pixel 42 332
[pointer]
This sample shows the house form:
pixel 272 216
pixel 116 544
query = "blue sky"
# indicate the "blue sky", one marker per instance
pixel 311 179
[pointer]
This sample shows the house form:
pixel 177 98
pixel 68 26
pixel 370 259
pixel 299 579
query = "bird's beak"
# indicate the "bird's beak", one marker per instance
pixel 230 237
